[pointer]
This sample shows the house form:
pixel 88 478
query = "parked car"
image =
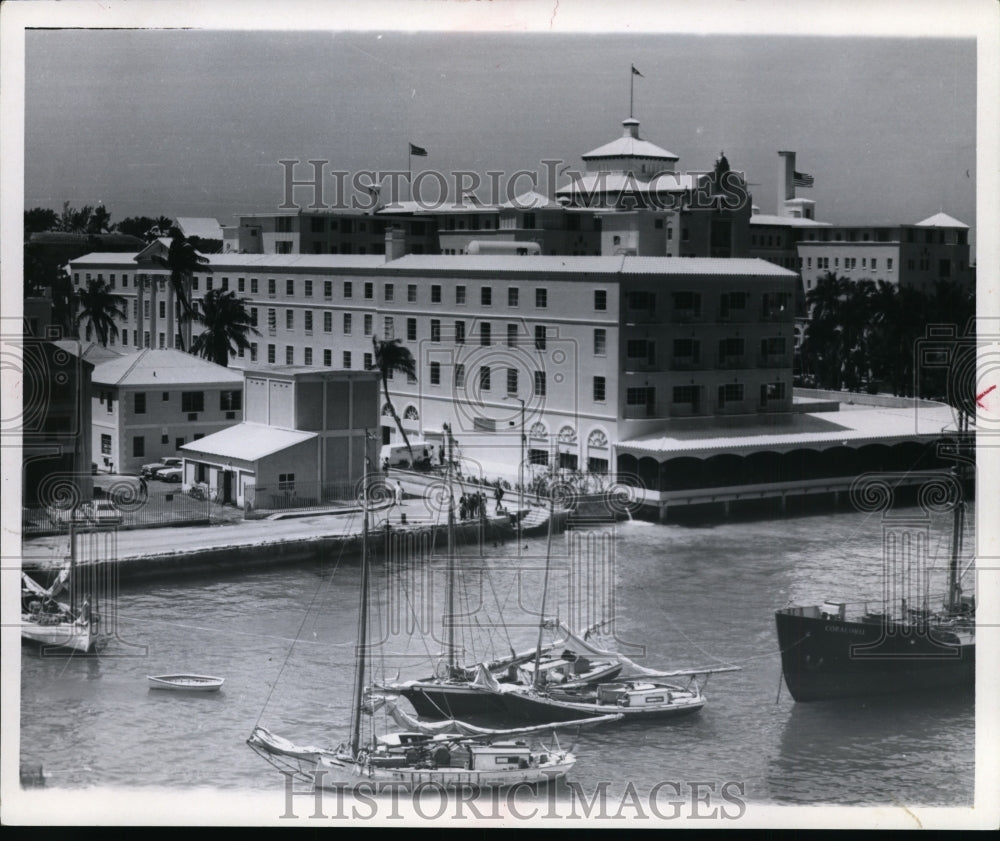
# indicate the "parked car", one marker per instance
pixel 152 471
pixel 100 512
pixel 170 474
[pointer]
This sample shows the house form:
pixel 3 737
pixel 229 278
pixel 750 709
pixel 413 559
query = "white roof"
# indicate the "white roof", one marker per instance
pixel 166 367
pixel 200 226
pixel 850 424
pixel 786 221
pixel 248 441
pixel 531 201
pixel 603 265
pixel 630 145
pixel 941 220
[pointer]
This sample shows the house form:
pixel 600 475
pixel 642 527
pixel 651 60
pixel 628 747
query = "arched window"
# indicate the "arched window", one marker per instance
pixel 567 435
pixel 598 452
pixel 411 413
pixel 538 430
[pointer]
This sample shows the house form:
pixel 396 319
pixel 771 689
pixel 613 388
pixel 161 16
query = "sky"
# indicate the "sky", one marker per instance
pixel 193 123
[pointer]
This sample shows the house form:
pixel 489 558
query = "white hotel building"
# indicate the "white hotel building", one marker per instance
pixel 599 349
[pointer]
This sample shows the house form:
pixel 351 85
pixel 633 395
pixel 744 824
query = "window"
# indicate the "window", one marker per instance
pixel 139 403
pixel 541 298
pixel 411 329
pixel 289 355
pixel 435 330
pixel 435 293
pixel 486 296
pixel 272 320
pixel 512 380
pixel 484 378
pixel 166 396
pixel 270 354
pixel 388 327
pixel 145 308
pixel 459 375
pixel 773 346
pixel 348 289
pixel 600 342
pixel 253 351
pixel 730 393
pixel 599 390
pixel 411 293
pixel 289 319
pixel 164 439
pixel 771 391
pixel 308 356
pixel 459 332
pixel 309 321
pixel 138 446
pixel 290 287
pixel 459 294
pixel 346 359
pixel 687 349
pixel 105 445
pixel 730 301
pixel 369 290
pixel 253 286
pixel 540 384
pixel 163 309
pixel 208 284
pixel 389 291
pixel 643 396
pixel 600 300
pixel 731 348
pixel 685 394
pixel 435 373
pixel 145 338
pixel 369 321
pixel 889 263
pixel 512 296
pixel 485 333
pixel 874 263
pixel 539 337
pixel 241 284
pixel 327 288
pixel 328 322
pixel 687 303
pixel 253 316
pixel 308 291
pixel 192 401
pixel 368 361
pixel 286 481
pixel 511 335
pixel 124 337
pixel 347 324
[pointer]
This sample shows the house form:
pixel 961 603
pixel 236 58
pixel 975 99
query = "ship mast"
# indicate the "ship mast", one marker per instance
pixel 958 522
pixel 545 585
pixel 359 670
pixel 452 656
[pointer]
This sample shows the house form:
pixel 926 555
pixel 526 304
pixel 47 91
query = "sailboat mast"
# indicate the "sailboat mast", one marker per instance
pixel 72 566
pixel 359 669
pixel 954 589
pixel 452 656
pixel 545 586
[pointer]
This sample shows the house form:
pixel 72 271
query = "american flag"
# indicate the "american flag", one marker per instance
pixel 802 179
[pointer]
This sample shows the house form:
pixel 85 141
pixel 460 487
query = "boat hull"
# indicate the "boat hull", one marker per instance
pixel 439 701
pixel 826 658
pixel 185 683
pixel 333 773
pixel 530 708
pixel 81 637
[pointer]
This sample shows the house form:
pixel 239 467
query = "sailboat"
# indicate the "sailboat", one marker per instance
pixel 566 681
pixel 826 654
pixel 452 755
pixel 74 625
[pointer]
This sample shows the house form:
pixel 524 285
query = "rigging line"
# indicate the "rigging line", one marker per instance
pixel 321 586
pixel 146 620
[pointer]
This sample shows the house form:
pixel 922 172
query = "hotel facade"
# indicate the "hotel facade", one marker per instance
pixel 599 349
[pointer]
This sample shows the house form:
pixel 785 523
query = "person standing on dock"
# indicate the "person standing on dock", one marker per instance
pixel 399 493
pixel 499 496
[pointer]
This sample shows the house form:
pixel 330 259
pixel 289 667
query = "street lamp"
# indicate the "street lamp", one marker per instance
pixel 520 473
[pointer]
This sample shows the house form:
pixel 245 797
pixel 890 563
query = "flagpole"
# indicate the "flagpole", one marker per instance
pixel 631 90
pixel 409 169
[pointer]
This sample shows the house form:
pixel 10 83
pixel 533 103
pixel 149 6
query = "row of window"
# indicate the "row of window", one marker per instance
pixel 139 443
pixel 849 263
pixel 690 303
pixel 230 400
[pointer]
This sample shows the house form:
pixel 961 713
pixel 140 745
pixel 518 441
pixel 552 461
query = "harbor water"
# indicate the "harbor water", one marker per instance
pixel 677 595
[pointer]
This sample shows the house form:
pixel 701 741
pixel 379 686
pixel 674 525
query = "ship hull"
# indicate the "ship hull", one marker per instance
pixel 825 658
pixel 437 702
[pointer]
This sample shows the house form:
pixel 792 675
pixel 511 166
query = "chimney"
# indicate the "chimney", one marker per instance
pixel 786 181
pixel 631 128
pixel 395 243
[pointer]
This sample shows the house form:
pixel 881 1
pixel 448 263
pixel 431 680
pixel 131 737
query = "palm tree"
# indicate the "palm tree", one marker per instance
pixel 100 307
pixel 391 356
pixel 183 260
pixel 824 339
pixel 227 324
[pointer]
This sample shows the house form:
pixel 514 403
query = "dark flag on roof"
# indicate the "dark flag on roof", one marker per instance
pixel 636 72
pixel 802 179
pixel 418 151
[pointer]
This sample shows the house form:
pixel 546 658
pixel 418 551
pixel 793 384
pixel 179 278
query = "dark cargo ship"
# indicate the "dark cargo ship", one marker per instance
pixel 827 654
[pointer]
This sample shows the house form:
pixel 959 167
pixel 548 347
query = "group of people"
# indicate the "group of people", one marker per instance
pixel 472 505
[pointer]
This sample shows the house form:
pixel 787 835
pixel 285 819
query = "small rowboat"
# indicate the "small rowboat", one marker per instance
pixel 186 683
